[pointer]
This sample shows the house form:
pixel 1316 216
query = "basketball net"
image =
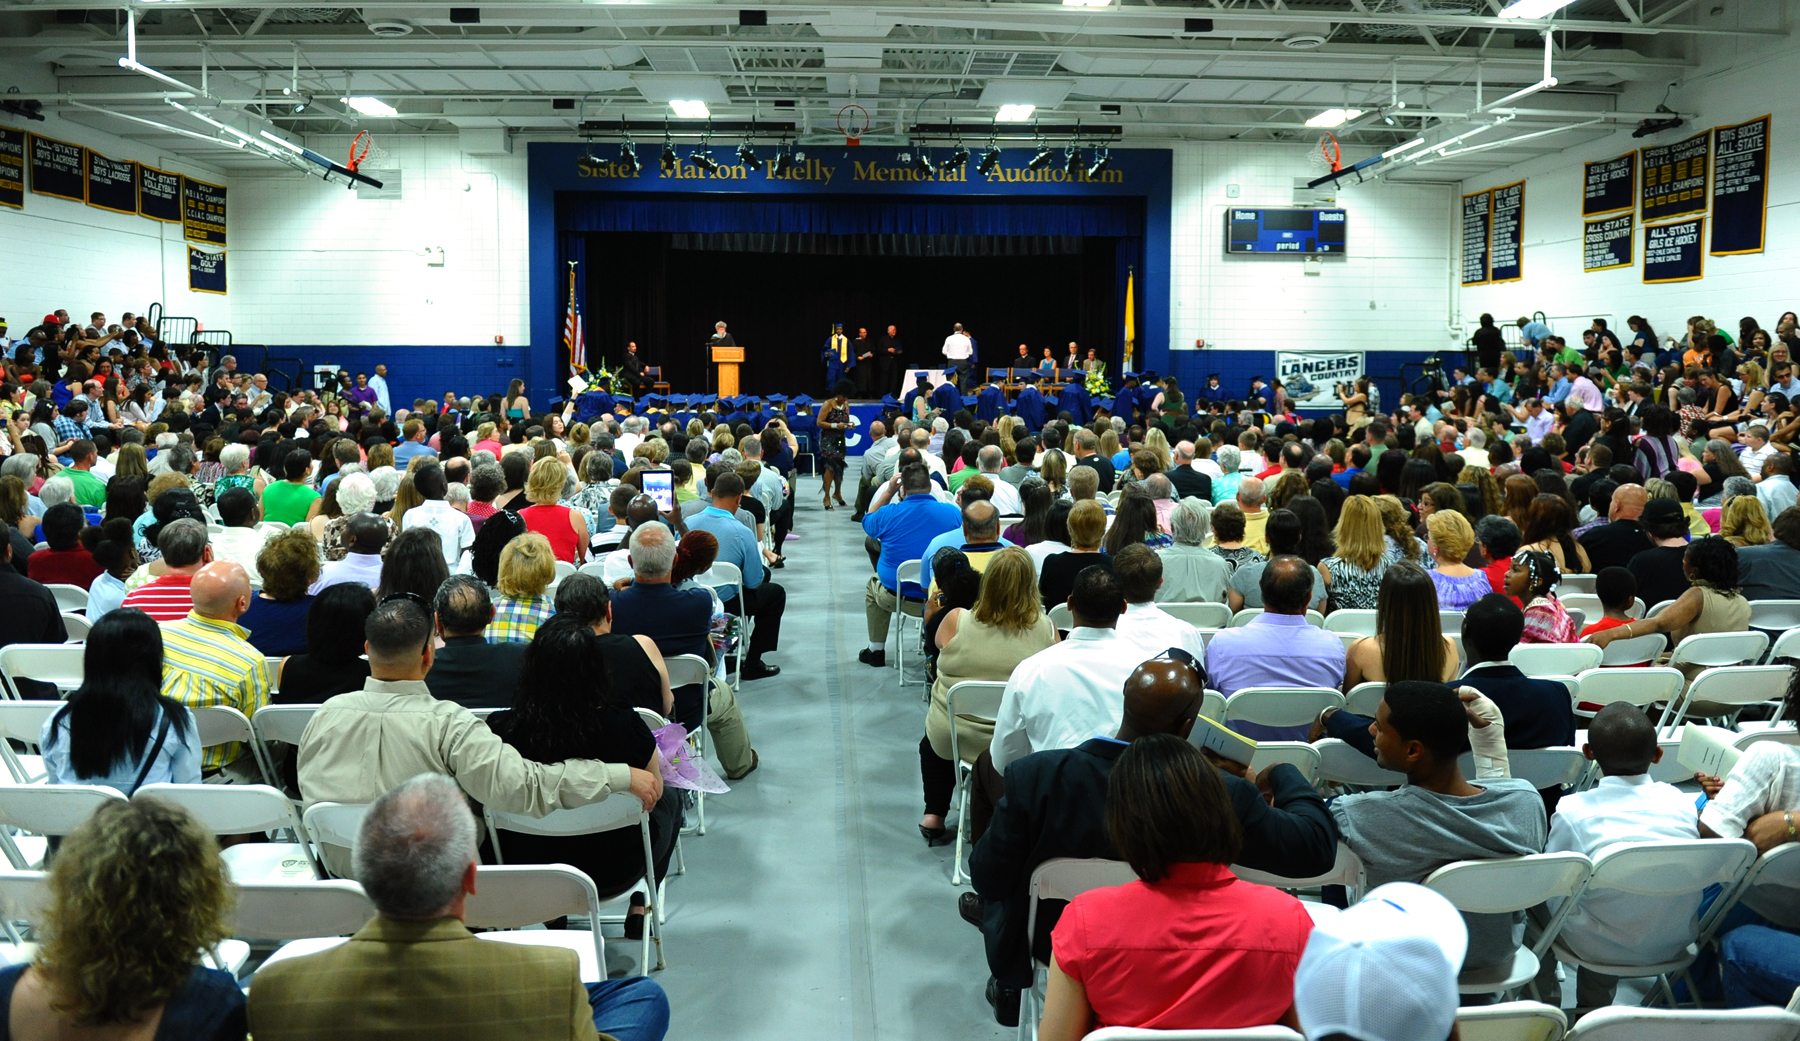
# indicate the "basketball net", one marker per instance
pixel 852 121
pixel 365 150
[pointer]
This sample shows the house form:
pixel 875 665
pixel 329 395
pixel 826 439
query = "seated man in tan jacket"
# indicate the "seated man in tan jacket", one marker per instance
pixel 415 971
pixel 361 744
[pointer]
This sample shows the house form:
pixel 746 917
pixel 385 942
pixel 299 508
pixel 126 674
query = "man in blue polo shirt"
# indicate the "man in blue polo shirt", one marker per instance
pixel 763 601
pixel 1532 333
pixel 903 526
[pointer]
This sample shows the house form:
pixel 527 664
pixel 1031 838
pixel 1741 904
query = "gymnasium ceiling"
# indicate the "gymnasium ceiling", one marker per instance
pixel 1140 71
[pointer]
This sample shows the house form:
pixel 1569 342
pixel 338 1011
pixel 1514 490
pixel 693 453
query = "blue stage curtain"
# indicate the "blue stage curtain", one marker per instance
pixel 850 215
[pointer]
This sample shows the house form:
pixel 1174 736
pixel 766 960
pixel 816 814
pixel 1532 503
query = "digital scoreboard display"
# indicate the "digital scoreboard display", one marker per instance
pixel 1304 232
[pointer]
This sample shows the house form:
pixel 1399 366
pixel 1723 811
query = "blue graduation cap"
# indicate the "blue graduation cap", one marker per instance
pixel 1105 403
pixel 705 400
pixel 776 399
pixel 887 401
pixel 803 401
pixel 968 400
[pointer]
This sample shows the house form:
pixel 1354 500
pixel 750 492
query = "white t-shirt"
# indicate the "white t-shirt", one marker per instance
pixel 956 347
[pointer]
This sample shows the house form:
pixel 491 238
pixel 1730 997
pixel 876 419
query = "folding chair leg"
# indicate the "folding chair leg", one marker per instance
pixel 962 821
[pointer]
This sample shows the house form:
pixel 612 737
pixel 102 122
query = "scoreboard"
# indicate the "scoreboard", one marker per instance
pixel 1303 232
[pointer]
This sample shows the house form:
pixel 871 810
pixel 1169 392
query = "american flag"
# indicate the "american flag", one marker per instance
pixel 572 337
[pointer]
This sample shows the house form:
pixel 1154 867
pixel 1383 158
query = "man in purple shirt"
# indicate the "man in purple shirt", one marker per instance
pixel 1279 648
pixel 904 527
pixel 363 396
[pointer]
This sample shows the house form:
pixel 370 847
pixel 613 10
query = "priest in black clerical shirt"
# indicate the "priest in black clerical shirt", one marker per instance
pixel 890 359
pixel 632 372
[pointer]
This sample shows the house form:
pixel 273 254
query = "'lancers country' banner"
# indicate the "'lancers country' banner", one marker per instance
pixel 1311 378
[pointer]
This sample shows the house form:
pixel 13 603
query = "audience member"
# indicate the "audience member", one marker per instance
pixel 762 600
pixel 289 565
pixel 1152 630
pixel 1498 539
pixel 903 526
pixel 331 662
pixel 1657 567
pixel 455 532
pixel 634 664
pixel 1192 573
pixel 1287 534
pixel 1057 575
pixel 185 550
pixel 115 551
pixel 119 729
pixel 527 565
pixel 240 542
pixel 208 660
pixel 1278 647
pixel 469 669
pixel 1353 572
pixel 1532 582
pixel 289 500
pixel 1772 571
pixel 1409 641
pixel 414 563
pixel 363 539
pixel 1458 585
pixel 66 561
pixel 1712 603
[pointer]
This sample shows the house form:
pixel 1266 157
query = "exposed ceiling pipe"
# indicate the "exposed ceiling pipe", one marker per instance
pixel 1543 84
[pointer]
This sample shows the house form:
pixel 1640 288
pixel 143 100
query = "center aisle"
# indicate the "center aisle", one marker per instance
pixel 812 908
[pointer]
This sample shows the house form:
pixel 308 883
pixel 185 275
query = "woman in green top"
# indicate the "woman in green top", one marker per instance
pixel 235 459
pixel 1173 403
pixel 288 501
pixel 517 407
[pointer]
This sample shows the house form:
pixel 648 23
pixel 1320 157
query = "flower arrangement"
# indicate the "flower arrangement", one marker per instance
pixel 1097 385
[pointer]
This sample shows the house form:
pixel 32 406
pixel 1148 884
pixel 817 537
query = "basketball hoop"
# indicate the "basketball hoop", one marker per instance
pixel 359 149
pixel 1328 150
pixel 850 125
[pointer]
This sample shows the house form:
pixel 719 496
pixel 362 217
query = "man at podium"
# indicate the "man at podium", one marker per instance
pixel 722 350
pixel 720 338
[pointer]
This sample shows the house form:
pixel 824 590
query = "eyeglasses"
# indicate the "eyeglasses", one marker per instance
pixel 409 597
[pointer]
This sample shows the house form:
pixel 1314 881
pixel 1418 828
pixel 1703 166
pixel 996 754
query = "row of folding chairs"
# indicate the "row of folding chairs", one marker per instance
pixel 1536 1021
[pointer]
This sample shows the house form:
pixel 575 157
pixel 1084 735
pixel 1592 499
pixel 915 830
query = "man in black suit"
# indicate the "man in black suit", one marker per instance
pixel 1055 806
pixel 469 670
pixel 1614 543
pixel 1187 480
pixel 632 372
pixel 890 359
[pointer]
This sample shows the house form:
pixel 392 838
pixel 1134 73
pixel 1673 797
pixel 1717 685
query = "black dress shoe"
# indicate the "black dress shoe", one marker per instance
pixel 756 670
pixel 969 906
pixel 1005 1001
pixel 875 658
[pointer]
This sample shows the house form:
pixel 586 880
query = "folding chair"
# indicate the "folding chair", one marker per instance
pixel 1199 614
pixel 58 663
pixel 1063 878
pixel 1511 1021
pixel 1346 871
pixel 1663 871
pixel 1774 617
pixel 1783 733
pixel 1280 706
pixel 1637 650
pixel 47 810
pixel 614 814
pixel 1776 873
pixel 655 721
pixel 24 721
pixel 26 897
pixel 68 597
pixel 1590 605
pixel 1364 697
pixel 1583 584
pixel 281 723
pixel 725 579
pixel 1342 763
pixel 1298 754
pixel 1212 705
pixel 1543 767
pixel 1450 621
pixel 223 725
pixel 1642 687
pixel 1619 1023
pixel 980 701
pixel 687 670
pixel 1243 617
pixel 1731 687
pixel 1352 620
pixel 1207 634
pixel 1711 650
pixel 247 809
pixel 1554 659
pixel 593 567
pixel 514 897
pixel 563 570
pixel 270 527
pixel 1506 886
pixel 906 607
pixel 77 626
pixel 309 916
pixel 1658 608
pixel 1061 617
pixel 334 824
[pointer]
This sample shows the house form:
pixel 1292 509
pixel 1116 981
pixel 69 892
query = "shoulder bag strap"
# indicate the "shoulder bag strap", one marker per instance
pixel 162 734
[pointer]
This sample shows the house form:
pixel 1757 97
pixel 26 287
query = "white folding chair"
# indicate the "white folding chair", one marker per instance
pixel 1346 870
pixel 909 572
pixel 1660 873
pixel 334 824
pixel 1787 645
pixel 595 568
pixel 1199 614
pixel 1511 1021
pixel 283 723
pixel 725 579
pixel 1212 705
pixel 1450 621
pixel 24 721
pixel 1342 763
pixel 68 597
pixel 595 818
pixel 1603 686
pixel 1352 620
pixel 563 570
pixel 58 663
pixel 1554 659
pixel 1543 767
pixel 76 626
pixel 1775 877
pixel 1587 603
pixel 1280 706
pixel 308 916
pixel 1783 733
pixel 687 670
pixel 515 896
pixel 1774 616
pixel 1579 617
pixel 1298 754
pixel 1364 697
pixel 1206 635
pixel 1061 617
pixel 1243 617
pixel 1637 650
pixel 1622 1023
pixel 270 527
pixel 25 895
pixel 247 809
pixel 1658 608
pixel 1711 650
pixel 1730 687
pixel 224 725
pixel 1349 640
pixel 47 810
pixel 1507 886
pixel 1063 878
pixel 979 701
pixel 1574 584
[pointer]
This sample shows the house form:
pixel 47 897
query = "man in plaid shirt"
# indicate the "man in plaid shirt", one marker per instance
pixel 71 426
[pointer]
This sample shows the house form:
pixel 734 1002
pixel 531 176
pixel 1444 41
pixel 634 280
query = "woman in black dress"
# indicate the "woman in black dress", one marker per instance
pixel 834 421
pixel 567 708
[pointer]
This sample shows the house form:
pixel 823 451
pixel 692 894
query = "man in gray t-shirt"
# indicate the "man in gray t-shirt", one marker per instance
pixel 1437 816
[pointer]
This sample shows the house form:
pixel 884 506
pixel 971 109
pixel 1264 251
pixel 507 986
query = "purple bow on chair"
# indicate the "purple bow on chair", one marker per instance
pixel 682 767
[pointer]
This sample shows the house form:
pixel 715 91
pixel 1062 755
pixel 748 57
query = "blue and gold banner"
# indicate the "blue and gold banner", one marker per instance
pixel 206 271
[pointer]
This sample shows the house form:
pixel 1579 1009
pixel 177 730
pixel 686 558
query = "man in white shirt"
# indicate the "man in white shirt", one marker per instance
pixel 633 435
pixel 378 384
pixel 1776 489
pixel 452 525
pixel 1006 496
pixel 240 542
pixel 957 350
pixel 1612 926
pixel 1759 451
pixel 1538 421
pixel 1075 689
pixel 1148 627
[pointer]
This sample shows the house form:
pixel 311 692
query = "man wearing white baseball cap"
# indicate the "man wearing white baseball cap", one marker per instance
pixel 1384 970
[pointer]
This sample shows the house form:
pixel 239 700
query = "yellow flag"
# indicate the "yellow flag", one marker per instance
pixel 1130 320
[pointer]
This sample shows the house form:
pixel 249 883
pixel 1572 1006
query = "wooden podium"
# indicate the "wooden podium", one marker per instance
pixel 728 359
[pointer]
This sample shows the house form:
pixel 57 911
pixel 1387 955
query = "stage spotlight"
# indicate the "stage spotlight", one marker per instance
pixel 669 159
pixel 701 156
pixel 1071 160
pixel 747 156
pixel 959 158
pixel 990 158
pixel 783 161
pixel 921 161
pixel 628 160
pixel 1102 160
pixel 1042 158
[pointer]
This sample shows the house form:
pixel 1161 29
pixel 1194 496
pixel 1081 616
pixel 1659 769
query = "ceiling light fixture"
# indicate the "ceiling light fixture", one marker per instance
pixel 1304 42
pixel 1333 117
pixel 959 158
pixel 690 109
pixel 701 157
pixel 669 159
pixel 1533 8
pixel 1042 158
pixel 921 160
pixel 1015 113
pixel 628 160
pixel 747 156
pixel 1102 160
pixel 1407 147
pixel 1071 160
pixel 369 106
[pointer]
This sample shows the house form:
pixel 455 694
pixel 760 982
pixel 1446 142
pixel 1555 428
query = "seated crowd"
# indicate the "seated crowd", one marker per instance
pixel 241 546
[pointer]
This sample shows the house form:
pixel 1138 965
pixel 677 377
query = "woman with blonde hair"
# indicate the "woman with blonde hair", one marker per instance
pixel 1158 443
pixel 1110 445
pixel 136 891
pixel 985 642
pixel 1458 585
pixel 564 527
pixel 132 462
pixel 1353 573
pixel 1055 472
pixel 527 566
pixel 13 505
pixel 1402 543
pixel 1744 522
pixel 484 440
pixel 380 455
pixel 406 496
pixel 1409 641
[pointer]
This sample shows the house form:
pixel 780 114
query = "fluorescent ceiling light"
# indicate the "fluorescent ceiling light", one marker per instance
pixel 1333 117
pixel 1086 3
pixel 369 106
pixel 1397 149
pixel 690 109
pixel 1015 113
pixel 1533 8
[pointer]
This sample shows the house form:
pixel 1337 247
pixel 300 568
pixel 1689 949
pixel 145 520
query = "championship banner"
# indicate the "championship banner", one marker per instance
pixel 1740 193
pixel 1477 208
pixel 1506 234
pixel 57 169
pixel 12 168
pixel 1675 178
pixel 111 184
pixel 1609 186
pixel 1672 252
pixel 159 194
pixel 202 212
pixel 1311 378
pixel 1607 243
pixel 206 271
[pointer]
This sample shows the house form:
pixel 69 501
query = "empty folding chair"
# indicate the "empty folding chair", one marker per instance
pixel 307 917
pixel 1774 617
pixel 24 721
pixel 513 897
pixel 247 809
pixel 1280 706
pixel 595 568
pixel 1352 620
pixel 1199 614
pixel 47 810
pixel 58 663
pixel 1507 886
pixel 68 597
pixel 1555 659
pixel 224 725
pixel 1298 754
pixel 1725 691
pixel 1643 687
pixel 1511 1021
pixel 77 626
pixel 1635 650
pixel 1342 763
pixel 1587 602
pixel 908 573
pixel 333 827
pixel 978 701
pixel 1543 767
pixel 1623 1023
pixel 1787 645
pixel 1574 584
pixel 1661 873
pixel 563 570
pixel 1063 878
pixel 1364 697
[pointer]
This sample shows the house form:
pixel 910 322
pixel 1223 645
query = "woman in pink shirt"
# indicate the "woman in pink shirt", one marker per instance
pixel 1188 946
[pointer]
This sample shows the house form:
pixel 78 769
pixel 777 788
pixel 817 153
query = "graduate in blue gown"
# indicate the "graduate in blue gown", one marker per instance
pixel 946 399
pixel 838 357
pixel 1074 400
pixel 1030 407
pixel 990 403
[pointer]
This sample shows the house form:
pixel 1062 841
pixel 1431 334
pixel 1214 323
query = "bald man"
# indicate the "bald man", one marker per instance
pixel 1614 543
pixel 208 660
pixel 1055 806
